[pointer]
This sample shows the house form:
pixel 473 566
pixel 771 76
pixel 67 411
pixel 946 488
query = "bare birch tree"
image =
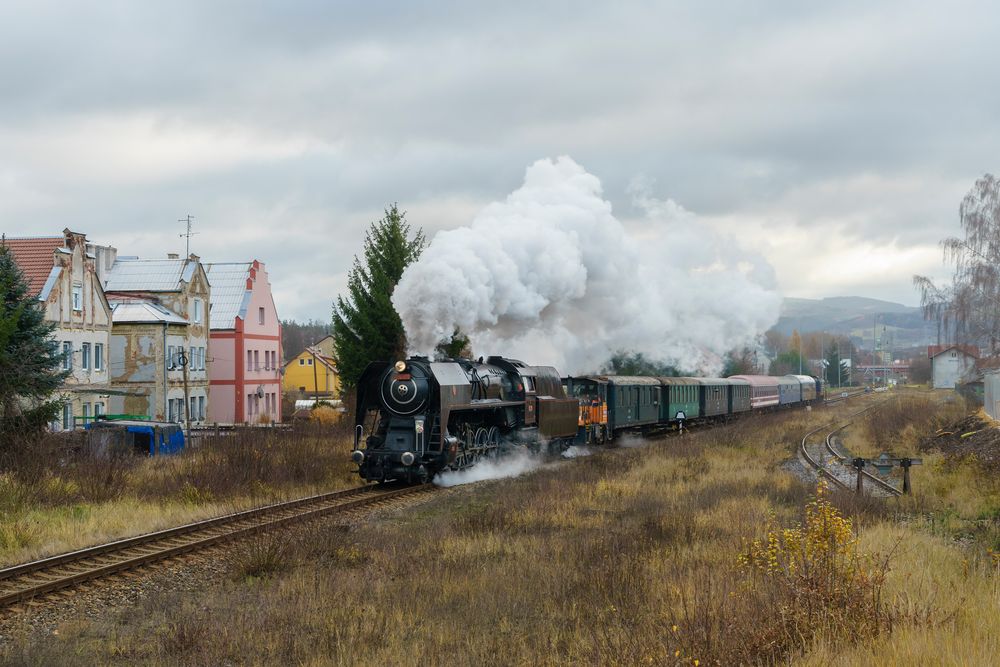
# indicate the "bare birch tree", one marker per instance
pixel 968 310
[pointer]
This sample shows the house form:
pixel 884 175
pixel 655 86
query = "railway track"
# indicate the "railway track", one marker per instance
pixel 30 581
pixel 842 473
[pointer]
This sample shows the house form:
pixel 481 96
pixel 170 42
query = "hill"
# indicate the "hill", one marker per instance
pixel 854 316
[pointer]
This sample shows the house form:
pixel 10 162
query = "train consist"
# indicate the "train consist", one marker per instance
pixel 418 417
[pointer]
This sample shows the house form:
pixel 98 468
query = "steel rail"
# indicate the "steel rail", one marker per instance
pixel 829 446
pixel 128 542
pixel 260 519
pixel 820 468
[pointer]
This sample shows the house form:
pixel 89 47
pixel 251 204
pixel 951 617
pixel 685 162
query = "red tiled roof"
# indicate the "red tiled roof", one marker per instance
pixel 935 350
pixel 34 258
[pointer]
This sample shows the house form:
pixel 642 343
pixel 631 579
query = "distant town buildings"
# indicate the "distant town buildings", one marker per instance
pixel 163 339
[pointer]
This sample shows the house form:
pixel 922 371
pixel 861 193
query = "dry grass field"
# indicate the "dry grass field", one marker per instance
pixel 54 497
pixel 700 550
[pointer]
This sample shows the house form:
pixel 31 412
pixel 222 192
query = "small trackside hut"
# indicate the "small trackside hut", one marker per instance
pixel 141 437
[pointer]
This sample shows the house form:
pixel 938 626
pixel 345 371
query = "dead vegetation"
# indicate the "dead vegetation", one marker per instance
pixel 57 494
pixel 690 551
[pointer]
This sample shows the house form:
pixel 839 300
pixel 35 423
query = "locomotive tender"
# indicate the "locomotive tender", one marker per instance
pixel 417 417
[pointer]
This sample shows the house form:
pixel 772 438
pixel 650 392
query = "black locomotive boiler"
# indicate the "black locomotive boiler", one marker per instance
pixel 417 417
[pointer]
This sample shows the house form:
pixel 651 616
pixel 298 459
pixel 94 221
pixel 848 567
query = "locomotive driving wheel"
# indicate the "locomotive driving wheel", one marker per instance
pixel 481 443
pixel 493 442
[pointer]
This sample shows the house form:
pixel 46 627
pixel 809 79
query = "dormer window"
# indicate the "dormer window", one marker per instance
pixel 77 297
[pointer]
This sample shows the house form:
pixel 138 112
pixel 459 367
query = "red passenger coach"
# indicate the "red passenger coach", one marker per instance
pixel 763 390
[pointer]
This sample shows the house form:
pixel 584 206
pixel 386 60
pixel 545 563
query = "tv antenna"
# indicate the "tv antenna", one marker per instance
pixel 188 234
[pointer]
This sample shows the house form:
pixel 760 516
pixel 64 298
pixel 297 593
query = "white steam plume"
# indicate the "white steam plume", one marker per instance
pixel 550 276
pixel 518 463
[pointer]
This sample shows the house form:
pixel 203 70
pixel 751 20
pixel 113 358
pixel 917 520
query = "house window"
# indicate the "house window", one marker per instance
pixel 98 409
pixel 67 356
pixel 85 356
pixel 309 361
pixel 86 413
pixel 170 357
pixel 193 411
pixel 98 356
pixel 201 408
pixel 249 360
pixel 954 354
pixel 77 297
pixel 171 415
pixel 256 360
pixel 201 357
pixel 197 311
pixel 302 362
pixel 67 416
pixel 260 315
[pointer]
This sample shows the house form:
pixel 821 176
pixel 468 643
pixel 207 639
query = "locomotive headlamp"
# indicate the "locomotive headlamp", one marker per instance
pixel 358 456
pixel 400 366
pixel 407 458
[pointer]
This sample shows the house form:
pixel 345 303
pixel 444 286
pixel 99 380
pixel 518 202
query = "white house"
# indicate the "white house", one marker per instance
pixel 950 364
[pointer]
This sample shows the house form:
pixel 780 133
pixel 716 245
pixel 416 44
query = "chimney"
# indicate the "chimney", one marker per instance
pixel 194 258
pixel 104 259
pixel 173 255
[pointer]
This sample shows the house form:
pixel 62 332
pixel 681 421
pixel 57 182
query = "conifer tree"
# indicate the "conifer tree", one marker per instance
pixel 366 327
pixel 29 358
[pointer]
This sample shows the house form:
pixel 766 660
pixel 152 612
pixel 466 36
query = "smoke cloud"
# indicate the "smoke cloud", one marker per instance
pixel 550 276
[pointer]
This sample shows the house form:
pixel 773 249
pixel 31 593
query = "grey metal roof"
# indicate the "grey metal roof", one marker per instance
pixel 230 296
pixel 143 311
pixel 148 275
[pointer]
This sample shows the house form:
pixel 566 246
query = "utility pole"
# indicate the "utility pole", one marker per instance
pixel 312 350
pixel 187 401
pixel 188 234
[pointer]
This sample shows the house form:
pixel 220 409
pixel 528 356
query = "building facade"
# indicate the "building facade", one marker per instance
pixel 64 276
pixel 951 363
pixel 159 337
pixel 313 372
pixel 244 367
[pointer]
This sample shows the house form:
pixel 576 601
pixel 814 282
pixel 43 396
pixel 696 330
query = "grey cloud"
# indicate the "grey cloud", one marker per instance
pixel 776 111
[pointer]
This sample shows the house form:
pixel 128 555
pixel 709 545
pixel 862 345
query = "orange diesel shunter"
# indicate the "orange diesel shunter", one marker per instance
pixel 593 422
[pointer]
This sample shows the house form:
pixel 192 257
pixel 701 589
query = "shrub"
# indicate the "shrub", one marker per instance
pixel 262 555
pixel 819 577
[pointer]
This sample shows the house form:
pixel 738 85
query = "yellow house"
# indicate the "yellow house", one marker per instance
pixel 313 371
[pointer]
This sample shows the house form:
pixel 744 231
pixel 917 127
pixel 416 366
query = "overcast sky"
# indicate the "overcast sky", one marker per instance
pixel 836 141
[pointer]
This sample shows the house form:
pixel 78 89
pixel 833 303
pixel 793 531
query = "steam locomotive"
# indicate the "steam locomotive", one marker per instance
pixel 417 417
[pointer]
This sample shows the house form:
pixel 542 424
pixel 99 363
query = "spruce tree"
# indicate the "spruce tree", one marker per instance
pixel 29 358
pixel 366 327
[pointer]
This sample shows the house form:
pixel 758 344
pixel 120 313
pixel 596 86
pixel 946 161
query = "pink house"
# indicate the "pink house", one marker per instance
pixel 245 345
